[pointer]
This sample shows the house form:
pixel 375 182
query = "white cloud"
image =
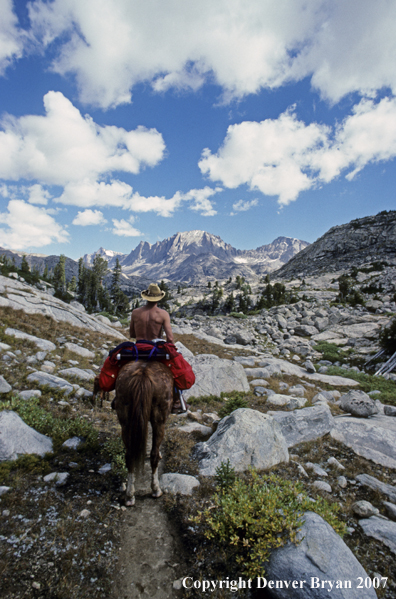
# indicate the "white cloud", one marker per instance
pixel 118 194
pixel 284 157
pixel 243 206
pixel 63 146
pixel 38 195
pixel 11 40
pixel 25 226
pixel 124 228
pixel 89 217
pixel 343 45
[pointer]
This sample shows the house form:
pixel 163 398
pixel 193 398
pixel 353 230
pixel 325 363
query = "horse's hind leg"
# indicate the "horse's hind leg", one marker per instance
pixel 155 456
pixel 130 491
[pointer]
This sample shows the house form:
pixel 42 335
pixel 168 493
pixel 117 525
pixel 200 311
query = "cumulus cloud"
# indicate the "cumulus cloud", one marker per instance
pixel 11 39
pixel 38 195
pixel 63 146
pixel 89 217
pixel 284 156
pixel 243 206
pixel 118 194
pixel 125 228
pixel 24 226
pixel 342 45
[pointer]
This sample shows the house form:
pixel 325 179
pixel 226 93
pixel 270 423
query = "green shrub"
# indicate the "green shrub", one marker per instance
pixel 369 383
pixel 233 404
pixel 225 475
pixel 250 518
pixel 332 352
pixel 115 450
pixel 59 429
pixel 387 337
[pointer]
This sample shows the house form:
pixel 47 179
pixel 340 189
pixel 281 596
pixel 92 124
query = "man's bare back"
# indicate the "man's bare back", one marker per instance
pixel 148 321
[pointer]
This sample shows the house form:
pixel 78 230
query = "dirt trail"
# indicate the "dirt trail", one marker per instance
pixel 151 556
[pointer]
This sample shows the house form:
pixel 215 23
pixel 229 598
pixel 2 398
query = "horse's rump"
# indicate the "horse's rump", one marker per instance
pixel 137 385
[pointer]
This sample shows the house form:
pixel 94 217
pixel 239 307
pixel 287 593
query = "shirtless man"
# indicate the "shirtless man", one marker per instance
pixel 147 322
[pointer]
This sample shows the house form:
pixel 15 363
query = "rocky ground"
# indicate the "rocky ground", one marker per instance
pixel 292 368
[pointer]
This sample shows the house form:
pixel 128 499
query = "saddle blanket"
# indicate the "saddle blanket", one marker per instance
pixel 162 351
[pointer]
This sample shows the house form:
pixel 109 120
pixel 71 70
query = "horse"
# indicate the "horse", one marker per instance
pixel 144 392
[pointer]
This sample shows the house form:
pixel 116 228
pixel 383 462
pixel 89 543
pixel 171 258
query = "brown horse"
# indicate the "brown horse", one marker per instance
pixel 144 392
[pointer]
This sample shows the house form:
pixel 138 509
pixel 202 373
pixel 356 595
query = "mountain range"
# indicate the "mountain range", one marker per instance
pixel 192 256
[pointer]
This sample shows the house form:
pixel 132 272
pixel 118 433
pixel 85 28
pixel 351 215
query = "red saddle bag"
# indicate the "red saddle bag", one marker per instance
pixel 182 372
pixel 108 375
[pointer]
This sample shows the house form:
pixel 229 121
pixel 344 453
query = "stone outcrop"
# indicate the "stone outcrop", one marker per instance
pixel 214 376
pixel 17 438
pixel 246 438
pixel 303 425
pixel 362 240
pixel 321 556
pixel 373 438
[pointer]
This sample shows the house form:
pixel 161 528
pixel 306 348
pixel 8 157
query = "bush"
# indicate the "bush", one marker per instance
pixel 250 518
pixel 332 352
pixel 233 404
pixel 387 337
pixel 59 429
pixel 115 450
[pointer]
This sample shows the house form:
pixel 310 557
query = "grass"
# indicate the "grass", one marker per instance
pixel 369 382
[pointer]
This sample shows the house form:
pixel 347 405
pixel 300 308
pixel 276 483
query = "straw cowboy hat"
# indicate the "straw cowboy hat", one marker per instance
pixel 153 293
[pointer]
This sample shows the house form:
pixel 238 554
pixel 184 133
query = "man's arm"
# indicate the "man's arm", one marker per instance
pixel 167 328
pixel 132 332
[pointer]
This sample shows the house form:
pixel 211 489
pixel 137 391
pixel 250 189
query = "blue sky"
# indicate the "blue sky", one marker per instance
pixel 123 121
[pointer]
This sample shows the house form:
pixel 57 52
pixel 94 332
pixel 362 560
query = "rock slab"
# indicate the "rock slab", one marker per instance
pixel 372 438
pixel 380 529
pixel 321 556
pixel 358 404
pixel 215 375
pixel 174 483
pixel 303 425
pixel 245 437
pixel 17 438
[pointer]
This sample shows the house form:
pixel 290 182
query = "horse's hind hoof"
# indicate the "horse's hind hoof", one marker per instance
pixel 156 494
pixel 130 502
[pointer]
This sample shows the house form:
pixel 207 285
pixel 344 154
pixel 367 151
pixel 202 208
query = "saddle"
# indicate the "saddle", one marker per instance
pixel 162 351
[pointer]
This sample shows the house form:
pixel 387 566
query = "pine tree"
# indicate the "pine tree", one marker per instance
pixel 25 268
pixel 120 301
pixel 59 277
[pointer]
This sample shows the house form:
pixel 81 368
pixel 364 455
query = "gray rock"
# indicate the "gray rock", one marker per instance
pixel 316 468
pixel 309 367
pixel 382 530
pixel 334 462
pixel 104 469
pixel 17 438
pixel 196 427
pixel 390 509
pixel 320 485
pixel 364 509
pixel 4 386
pixel 259 383
pixel 260 391
pixel 103 319
pixel 342 482
pixel 3 490
pixel 244 337
pixel 358 404
pixel 321 556
pixel 185 352
pixel 48 366
pixel 55 382
pixel 79 373
pixel 245 437
pixel 305 330
pixel 297 390
pixel 29 393
pixel 42 344
pixel 377 485
pixel 80 351
pixel 372 438
pixel 287 401
pixel 245 360
pixel 73 442
pixel 307 424
pixel 390 410
pixel 214 376
pixel 58 478
pixel 178 483
pixel 323 396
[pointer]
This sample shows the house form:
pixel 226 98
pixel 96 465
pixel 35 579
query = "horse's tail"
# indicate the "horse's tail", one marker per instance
pixel 140 393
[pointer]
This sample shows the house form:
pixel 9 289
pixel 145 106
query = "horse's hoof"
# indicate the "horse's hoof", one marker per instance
pixel 130 502
pixel 157 494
